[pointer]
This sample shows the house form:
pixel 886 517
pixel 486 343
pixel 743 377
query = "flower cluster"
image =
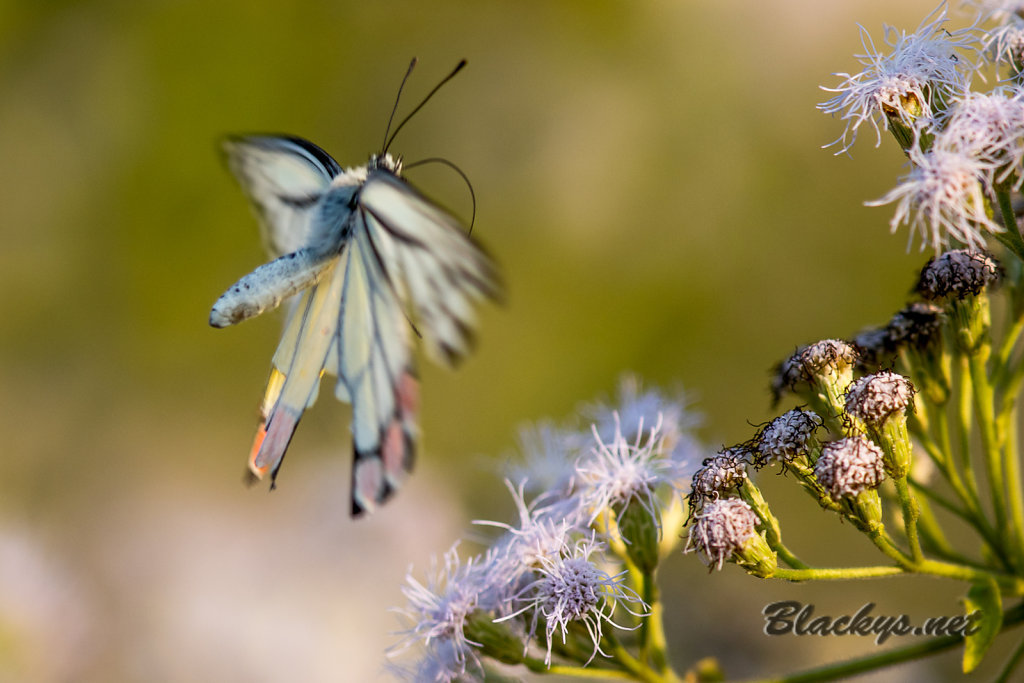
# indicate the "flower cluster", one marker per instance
pixel 591 504
pixel 855 434
pixel 965 147
pixel 921 410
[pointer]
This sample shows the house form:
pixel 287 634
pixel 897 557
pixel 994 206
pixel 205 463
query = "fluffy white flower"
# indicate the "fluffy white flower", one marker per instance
pixel 990 127
pixel 617 472
pixel 943 199
pixel 903 84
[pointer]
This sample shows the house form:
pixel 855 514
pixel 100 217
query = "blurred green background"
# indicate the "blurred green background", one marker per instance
pixel 648 174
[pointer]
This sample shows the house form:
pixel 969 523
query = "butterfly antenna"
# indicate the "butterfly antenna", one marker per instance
pixel 388 141
pixel 449 164
pixel 391 118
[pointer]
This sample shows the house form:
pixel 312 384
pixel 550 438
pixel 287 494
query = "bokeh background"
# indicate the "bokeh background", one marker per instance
pixel 648 174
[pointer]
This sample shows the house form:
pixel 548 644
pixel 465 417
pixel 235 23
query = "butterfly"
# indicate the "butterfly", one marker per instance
pixel 365 259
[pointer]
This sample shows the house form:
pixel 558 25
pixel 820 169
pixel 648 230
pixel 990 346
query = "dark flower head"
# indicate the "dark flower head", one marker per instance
pixel 957 274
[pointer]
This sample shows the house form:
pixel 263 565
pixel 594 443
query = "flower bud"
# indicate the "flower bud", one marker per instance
pixel 848 466
pixel 901 117
pixel 788 437
pixel 722 473
pixel 820 373
pixel 959 280
pixel 880 402
pixel 850 470
pixel 875 349
pixel 726 530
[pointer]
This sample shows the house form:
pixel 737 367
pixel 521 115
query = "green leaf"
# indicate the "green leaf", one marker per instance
pixel 984 601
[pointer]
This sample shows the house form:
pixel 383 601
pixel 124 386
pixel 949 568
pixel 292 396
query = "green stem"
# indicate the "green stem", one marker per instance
pixel 910 515
pixel 659 643
pixel 1010 381
pixel 964 428
pixel 1009 583
pixel 640 670
pixel 537 666
pixel 941 501
pixel 836 573
pixel 1007 391
pixel 890 549
pixel 984 407
pixel 769 523
pixel 1011 459
pixel 653 634
pixel 979 523
pixel 852 667
pixel 941 455
pixel 933 536
pixel 1010 338
pixel 788 557
pixel 649 593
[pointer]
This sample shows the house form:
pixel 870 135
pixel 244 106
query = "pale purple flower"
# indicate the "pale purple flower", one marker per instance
pixel 549 455
pixel 440 607
pixel 618 472
pixel 569 588
pixel 438 663
pixel 825 366
pixel 540 532
pixel 943 199
pixel 874 398
pixel 917 325
pixel 789 436
pixel 903 84
pixel 957 274
pixel 638 409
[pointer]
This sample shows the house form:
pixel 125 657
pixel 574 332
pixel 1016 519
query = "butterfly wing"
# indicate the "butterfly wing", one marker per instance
pixel 299 361
pixel 376 374
pixel 284 177
pixel 405 254
pixel 433 265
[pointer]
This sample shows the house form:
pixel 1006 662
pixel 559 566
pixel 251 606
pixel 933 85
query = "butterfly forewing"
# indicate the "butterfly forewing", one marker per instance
pixel 435 266
pixel 283 177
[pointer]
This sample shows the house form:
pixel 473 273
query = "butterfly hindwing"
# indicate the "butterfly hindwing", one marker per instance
pixel 298 365
pixel 375 370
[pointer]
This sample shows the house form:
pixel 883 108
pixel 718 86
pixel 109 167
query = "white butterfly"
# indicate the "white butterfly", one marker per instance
pixel 369 253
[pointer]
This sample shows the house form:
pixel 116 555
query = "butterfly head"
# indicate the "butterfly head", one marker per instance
pixel 385 162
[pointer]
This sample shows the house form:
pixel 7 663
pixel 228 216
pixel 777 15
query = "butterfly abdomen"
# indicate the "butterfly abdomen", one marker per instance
pixel 267 286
